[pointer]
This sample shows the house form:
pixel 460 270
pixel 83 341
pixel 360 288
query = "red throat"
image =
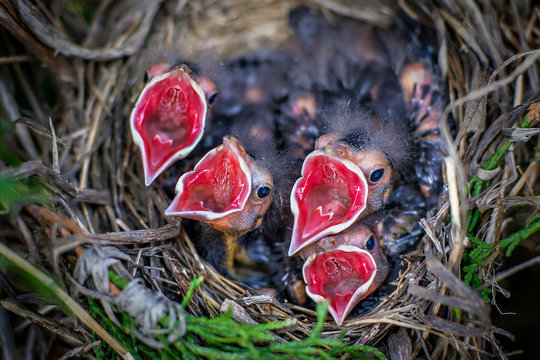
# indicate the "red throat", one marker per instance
pixel 219 185
pixel 327 199
pixel 168 120
pixel 342 276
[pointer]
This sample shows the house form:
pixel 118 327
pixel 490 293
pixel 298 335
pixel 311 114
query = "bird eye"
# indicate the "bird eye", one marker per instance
pixel 370 244
pixel 263 192
pixel 186 69
pixel 212 98
pixel 376 176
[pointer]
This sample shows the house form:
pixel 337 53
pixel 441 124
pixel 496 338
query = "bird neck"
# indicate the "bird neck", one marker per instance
pixel 231 248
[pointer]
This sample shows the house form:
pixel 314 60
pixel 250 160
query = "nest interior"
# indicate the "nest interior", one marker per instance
pixel 70 76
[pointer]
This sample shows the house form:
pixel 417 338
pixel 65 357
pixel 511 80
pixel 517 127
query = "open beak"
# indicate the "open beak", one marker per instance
pixel 327 199
pixel 168 120
pixel 343 276
pixel 219 185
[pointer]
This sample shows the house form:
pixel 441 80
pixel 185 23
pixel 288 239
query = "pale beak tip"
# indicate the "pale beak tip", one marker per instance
pixel 338 318
pixel 292 251
pixel 149 175
pixel 148 182
pixel 294 247
pixel 148 179
pixel 172 210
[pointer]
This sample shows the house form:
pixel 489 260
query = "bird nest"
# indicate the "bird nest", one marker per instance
pixel 76 208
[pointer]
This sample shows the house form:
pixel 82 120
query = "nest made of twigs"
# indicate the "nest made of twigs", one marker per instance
pixel 76 141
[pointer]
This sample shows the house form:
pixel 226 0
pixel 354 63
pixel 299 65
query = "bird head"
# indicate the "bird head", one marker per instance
pixel 227 189
pixel 168 120
pixel 348 176
pixel 344 269
pixel 373 163
pixel 328 198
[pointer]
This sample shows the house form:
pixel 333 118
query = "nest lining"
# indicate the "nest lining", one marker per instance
pixel 84 157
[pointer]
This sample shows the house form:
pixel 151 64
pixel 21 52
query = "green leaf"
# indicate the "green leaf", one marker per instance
pixel 15 193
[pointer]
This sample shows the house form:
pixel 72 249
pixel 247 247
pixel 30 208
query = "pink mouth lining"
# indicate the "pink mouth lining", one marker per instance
pixel 168 120
pixel 328 198
pixel 342 276
pixel 219 185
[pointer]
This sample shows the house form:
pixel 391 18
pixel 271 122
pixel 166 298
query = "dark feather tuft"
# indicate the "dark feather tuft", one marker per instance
pixel 255 132
pixel 360 128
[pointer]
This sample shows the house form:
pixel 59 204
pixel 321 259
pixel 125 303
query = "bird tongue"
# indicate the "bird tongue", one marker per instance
pixel 219 184
pixel 168 120
pixel 341 276
pixel 328 198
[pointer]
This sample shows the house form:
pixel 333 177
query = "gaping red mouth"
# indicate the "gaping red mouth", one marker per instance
pixel 219 185
pixel 342 276
pixel 328 198
pixel 168 120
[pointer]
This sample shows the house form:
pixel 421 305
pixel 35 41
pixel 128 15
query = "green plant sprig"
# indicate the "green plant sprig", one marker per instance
pixel 17 192
pixel 478 185
pixel 474 257
pixel 223 337
pixel 510 243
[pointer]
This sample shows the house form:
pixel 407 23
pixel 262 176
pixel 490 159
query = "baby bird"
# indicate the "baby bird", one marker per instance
pixel 229 192
pixel 345 268
pixel 349 175
pixel 169 116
